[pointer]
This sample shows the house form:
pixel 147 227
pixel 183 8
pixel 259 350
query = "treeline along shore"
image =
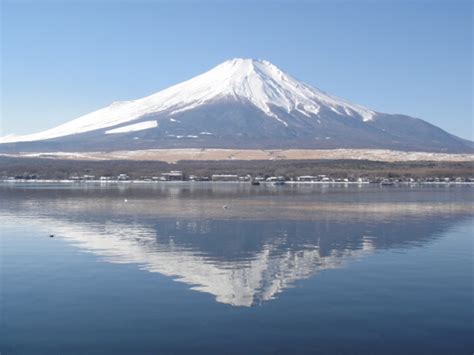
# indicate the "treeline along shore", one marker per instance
pixel 43 168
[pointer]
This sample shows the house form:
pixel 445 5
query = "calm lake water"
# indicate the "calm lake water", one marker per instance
pixel 236 269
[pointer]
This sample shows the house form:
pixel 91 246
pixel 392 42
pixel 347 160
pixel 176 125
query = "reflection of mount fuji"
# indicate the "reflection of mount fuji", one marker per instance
pixel 240 262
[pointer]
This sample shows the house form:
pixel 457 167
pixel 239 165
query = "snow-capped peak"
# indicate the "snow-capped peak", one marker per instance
pixel 258 82
pixel 261 83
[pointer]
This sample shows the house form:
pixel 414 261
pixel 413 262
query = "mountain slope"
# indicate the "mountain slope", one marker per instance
pixel 241 103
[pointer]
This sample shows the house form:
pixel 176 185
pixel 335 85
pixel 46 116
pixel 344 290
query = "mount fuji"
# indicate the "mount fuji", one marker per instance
pixel 244 104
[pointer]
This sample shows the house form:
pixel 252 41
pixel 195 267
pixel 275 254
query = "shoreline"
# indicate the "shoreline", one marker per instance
pixel 266 183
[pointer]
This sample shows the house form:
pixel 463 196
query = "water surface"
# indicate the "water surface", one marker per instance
pixel 231 268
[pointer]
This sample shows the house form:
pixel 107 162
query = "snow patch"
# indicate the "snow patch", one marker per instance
pixel 133 127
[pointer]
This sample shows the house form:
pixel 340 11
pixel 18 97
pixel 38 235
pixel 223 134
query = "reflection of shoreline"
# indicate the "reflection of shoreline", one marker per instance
pixel 188 200
pixel 246 209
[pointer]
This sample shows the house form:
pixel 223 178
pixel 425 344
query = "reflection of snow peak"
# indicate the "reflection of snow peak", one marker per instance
pixel 238 283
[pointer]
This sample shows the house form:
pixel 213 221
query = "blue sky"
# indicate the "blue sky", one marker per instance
pixel 62 59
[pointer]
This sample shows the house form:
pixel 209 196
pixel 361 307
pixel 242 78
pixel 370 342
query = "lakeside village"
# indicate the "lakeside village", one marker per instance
pixel 179 176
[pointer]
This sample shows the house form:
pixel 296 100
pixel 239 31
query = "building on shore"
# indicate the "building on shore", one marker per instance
pixel 173 175
pixel 224 177
pixel 306 178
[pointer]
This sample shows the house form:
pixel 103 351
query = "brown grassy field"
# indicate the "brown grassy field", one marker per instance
pixel 175 155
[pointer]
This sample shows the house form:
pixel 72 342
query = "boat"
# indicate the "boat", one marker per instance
pixel 279 181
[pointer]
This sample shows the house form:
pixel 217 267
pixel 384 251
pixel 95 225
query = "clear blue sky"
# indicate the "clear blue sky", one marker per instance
pixel 62 59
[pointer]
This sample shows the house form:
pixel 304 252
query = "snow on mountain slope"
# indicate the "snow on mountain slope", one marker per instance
pixel 254 81
pixel 133 127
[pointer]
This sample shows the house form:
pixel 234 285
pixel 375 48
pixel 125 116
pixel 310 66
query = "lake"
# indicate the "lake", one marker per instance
pixel 228 268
